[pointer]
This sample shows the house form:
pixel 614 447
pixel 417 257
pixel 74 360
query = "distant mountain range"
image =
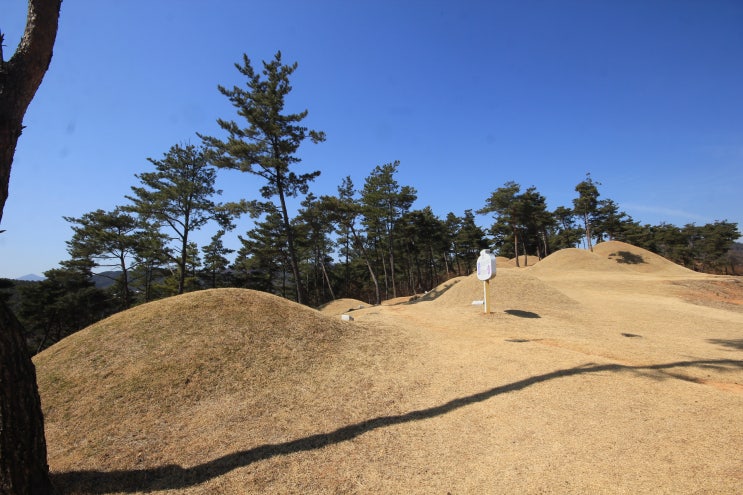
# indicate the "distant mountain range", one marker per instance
pixel 31 277
pixel 104 280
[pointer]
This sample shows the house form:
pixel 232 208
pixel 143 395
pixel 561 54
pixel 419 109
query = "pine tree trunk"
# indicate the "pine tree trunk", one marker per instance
pixel 364 254
pixel 293 261
pixel 320 258
pixel 386 277
pixel 9 133
pixel 20 77
pixel 23 467
pixel 588 231
pixel 182 262
pixel 392 271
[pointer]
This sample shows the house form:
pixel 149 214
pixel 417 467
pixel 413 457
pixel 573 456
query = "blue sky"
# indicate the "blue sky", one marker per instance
pixel 645 95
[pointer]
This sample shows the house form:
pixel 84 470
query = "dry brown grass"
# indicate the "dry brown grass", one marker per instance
pixel 342 306
pixel 605 372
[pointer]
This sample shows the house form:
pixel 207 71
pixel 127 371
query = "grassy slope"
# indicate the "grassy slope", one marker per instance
pixel 234 391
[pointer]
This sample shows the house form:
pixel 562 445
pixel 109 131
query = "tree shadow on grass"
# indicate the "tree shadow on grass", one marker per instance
pixel 731 343
pixel 171 477
pixel 627 257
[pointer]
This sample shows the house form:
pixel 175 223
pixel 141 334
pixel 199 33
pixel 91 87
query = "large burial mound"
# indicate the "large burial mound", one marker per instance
pixel 589 375
pixel 638 259
pixel 189 381
pixel 610 256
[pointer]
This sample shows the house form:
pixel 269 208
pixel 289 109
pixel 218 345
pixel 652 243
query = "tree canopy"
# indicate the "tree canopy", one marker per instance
pixel 268 146
pixel 178 195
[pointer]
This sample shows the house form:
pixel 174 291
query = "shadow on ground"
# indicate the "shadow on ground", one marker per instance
pixel 521 313
pixel 731 343
pixel 434 294
pixel 171 477
pixel 627 257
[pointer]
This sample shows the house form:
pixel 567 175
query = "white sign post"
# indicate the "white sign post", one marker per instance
pixel 486 271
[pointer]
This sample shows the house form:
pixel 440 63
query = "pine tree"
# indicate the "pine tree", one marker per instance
pixel 109 239
pixel 565 233
pixel 267 147
pixel 215 258
pixel 469 240
pixel 178 195
pixel 314 223
pixel 424 244
pixel 23 461
pixel 383 202
pixel 260 259
pixel 586 203
pixel 503 203
pixel 344 211
pixel 64 302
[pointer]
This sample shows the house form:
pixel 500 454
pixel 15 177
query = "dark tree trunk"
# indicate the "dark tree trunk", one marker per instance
pixel 23 467
pixel 360 246
pixel 294 262
pixel 392 270
pixel 182 263
pixel 434 282
pixel 588 231
pixel 327 280
pixel 20 78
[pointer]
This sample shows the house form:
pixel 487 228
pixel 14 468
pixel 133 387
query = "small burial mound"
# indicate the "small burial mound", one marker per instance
pixel 342 306
pixel 509 289
pixel 189 379
pixel 574 260
pixel 524 261
pixel 638 259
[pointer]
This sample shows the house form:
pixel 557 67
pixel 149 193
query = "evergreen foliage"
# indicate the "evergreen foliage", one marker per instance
pixel 366 243
pixel 383 203
pixel 108 239
pixel 268 146
pixel 178 196
pixel 64 302
pixel 215 260
pixel 586 203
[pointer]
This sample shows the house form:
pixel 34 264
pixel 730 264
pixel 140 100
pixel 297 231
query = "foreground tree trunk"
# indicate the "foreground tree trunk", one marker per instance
pixel 20 78
pixel 23 466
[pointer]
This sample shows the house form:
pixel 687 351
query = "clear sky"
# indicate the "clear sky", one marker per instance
pixel 646 95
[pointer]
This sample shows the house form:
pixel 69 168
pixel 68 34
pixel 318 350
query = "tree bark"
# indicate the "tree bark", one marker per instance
pixel 588 231
pixel 23 464
pixel 327 279
pixel 360 245
pixel 23 467
pixel 20 77
pixel 293 261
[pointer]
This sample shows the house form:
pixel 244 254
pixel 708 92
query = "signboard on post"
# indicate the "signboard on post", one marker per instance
pixel 486 271
pixel 486 265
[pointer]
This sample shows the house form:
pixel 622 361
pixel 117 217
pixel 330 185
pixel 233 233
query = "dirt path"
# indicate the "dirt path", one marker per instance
pixel 636 391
